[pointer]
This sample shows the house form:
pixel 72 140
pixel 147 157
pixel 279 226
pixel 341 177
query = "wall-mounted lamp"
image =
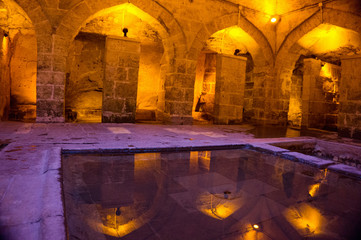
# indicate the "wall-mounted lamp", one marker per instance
pixel 118 212
pixel 6 34
pixel 125 31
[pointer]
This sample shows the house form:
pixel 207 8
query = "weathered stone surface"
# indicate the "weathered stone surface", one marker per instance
pixel 121 79
pixel 84 79
pixel 350 104
pixel 229 91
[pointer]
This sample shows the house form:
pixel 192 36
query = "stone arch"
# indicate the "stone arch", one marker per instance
pixel 174 42
pixel 263 59
pixel 286 58
pixel 173 38
pixel 230 20
pixel 289 51
pixel 74 19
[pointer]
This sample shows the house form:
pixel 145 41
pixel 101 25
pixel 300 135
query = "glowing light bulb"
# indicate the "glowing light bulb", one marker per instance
pixel 273 20
pixel 255 226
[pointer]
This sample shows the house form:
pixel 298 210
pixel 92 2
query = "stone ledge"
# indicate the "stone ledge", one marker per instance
pixel 266 148
pixel 345 169
pixel 314 161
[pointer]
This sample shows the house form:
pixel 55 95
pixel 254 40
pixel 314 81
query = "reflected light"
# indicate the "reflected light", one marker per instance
pixel 314 189
pixel 255 226
pixel 307 220
pixel 216 206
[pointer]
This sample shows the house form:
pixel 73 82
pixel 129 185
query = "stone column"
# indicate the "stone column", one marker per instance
pixel 230 85
pixel 312 68
pixel 121 79
pixel 349 117
pixel 319 110
pixel 179 92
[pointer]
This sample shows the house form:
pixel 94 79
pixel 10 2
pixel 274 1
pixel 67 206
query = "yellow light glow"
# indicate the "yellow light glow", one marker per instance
pixel 229 39
pixel 273 20
pixel 307 220
pixel 326 38
pixel 193 162
pixel 5 46
pixel 314 189
pixel 255 226
pixel 119 12
pixel 216 206
pixel 204 160
pixel 326 71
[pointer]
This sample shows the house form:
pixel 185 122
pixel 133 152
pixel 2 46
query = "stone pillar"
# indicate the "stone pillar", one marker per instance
pixel 312 68
pixel 349 117
pixel 121 79
pixel 209 85
pixel 179 91
pixel 319 107
pixel 230 85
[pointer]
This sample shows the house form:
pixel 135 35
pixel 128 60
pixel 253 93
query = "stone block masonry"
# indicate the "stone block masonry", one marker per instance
pixel 120 79
pixel 230 86
pixel 349 117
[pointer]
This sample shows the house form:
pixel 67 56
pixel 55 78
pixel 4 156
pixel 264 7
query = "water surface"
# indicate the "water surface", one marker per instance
pixel 221 194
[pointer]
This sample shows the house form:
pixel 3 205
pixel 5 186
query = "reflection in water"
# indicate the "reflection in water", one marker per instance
pixel 307 220
pixel 314 188
pixel 217 206
pixel 205 195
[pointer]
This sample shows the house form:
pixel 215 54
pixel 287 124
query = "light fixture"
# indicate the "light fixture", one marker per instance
pixel 256 227
pixel 118 212
pixel 274 19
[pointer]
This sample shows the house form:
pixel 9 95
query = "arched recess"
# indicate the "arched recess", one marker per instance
pixel 292 51
pixel 171 37
pixel 174 42
pixel 18 95
pixel 258 48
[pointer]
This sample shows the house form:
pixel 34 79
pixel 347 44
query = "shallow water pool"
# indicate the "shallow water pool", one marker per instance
pixel 219 194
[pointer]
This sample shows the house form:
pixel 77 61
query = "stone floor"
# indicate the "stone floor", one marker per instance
pixel 30 161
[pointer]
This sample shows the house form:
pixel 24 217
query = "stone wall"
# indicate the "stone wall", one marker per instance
pixel 84 82
pixel 349 117
pixel 184 27
pixel 121 79
pixel 229 92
